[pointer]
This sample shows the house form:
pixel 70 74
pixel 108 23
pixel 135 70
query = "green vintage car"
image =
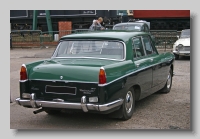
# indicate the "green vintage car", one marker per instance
pixel 103 72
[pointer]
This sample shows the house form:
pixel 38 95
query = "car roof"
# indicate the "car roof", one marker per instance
pixel 112 35
pixel 131 23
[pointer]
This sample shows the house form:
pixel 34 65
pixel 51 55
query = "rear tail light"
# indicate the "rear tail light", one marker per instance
pixel 23 73
pixel 102 76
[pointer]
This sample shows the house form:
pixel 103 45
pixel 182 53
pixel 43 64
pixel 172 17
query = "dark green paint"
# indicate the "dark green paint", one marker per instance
pixel 125 36
pixel 49 24
pixel 35 12
pixel 149 76
pixel 88 69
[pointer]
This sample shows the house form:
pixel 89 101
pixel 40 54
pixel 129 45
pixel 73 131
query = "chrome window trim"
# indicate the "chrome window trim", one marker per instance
pixel 145 53
pixel 88 58
pixel 124 45
pixel 147 36
pixel 141 39
pixel 152 46
pixel 56 50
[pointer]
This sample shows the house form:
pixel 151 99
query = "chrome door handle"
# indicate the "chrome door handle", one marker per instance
pixel 137 65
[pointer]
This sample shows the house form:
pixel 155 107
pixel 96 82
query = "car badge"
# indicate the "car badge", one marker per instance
pixel 61 77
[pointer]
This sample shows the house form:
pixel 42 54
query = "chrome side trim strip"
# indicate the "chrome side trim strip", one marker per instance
pixel 67 81
pixel 97 82
pixel 131 73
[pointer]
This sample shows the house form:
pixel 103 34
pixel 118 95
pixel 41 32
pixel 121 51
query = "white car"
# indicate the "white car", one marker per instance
pixel 182 46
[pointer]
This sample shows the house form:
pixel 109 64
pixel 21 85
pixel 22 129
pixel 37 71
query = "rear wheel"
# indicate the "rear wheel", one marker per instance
pixel 128 106
pixel 176 56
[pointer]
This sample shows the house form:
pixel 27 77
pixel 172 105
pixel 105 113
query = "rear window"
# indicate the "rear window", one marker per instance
pixel 185 33
pixel 91 49
pixel 128 27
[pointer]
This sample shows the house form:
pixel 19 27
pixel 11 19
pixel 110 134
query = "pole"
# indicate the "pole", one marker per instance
pixel 49 24
pixel 35 19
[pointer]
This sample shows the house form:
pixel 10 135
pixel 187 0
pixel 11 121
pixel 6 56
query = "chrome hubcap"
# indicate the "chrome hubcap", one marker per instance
pixel 129 102
pixel 169 81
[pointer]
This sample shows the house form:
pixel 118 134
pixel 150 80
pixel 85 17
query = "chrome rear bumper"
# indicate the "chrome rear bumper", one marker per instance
pixel 67 105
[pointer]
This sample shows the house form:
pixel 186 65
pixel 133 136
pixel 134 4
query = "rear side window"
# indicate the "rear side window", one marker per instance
pixel 147 45
pixel 146 29
pixel 138 50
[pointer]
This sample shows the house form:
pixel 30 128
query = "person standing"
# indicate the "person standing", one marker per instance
pixel 96 25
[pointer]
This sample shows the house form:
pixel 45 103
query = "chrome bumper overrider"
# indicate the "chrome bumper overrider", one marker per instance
pixel 67 105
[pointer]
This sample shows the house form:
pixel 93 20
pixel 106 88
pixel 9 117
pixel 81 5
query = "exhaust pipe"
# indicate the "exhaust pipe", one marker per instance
pixel 38 111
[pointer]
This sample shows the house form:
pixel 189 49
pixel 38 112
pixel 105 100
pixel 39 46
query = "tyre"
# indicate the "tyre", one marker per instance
pixel 52 112
pixel 176 56
pixel 126 110
pixel 168 84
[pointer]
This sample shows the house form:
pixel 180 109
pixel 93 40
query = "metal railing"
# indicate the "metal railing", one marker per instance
pixel 39 38
pixel 25 37
pixel 164 39
pixel 51 38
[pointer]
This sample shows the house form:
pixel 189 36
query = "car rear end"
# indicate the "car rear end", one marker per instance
pixel 70 80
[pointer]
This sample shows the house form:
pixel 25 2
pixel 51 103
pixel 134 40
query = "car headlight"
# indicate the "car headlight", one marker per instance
pixel 180 46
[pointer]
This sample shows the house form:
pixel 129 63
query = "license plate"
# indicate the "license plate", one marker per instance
pixel 60 89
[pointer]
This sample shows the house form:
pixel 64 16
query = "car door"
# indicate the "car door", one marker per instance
pixel 156 61
pixel 143 66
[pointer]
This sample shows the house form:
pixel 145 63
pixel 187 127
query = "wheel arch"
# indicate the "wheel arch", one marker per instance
pixel 172 68
pixel 137 91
